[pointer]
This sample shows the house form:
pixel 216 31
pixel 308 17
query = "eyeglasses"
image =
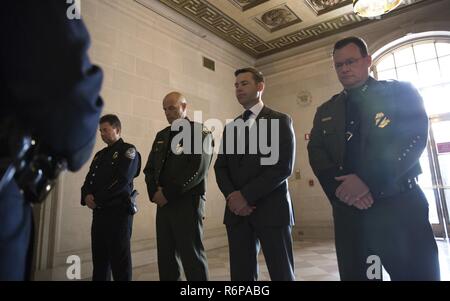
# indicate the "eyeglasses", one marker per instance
pixel 349 63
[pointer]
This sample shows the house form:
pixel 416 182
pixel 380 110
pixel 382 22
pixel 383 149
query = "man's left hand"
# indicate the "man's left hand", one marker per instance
pixel 351 189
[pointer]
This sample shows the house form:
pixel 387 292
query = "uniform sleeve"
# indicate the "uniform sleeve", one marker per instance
pixel 407 135
pixel 49 78
pixel 275 174
pixel 221 169
pixel 197 169
pixel 412 131
pixel 320 161
pixel 86 189
pixel 150 172
pixel 127 169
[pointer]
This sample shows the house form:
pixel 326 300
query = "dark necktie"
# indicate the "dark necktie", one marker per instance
pixel 246 115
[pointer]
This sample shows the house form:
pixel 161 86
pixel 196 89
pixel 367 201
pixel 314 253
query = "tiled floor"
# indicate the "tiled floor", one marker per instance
pixel 314 261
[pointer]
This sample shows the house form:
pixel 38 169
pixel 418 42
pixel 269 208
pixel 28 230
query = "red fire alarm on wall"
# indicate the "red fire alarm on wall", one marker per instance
pixel 311 183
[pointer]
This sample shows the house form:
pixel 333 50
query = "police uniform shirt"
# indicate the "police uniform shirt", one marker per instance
pixel 111 174
pixel 353 106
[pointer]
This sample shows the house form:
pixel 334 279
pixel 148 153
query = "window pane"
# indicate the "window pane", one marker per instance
pixel 387 62
pixel 424 51
pixel 404 57
pixel 428 72
pixel 408 73
pixel 444 162
pixel 389 74
pixel 447 198
pixel 442 135
pixel 436 99
pixel 443 48
pixel 425 179
pixel 432 210
pixel 444 64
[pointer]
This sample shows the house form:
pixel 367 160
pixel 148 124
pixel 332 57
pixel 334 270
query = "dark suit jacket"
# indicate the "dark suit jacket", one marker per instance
pixel 263 186
pixel 394 131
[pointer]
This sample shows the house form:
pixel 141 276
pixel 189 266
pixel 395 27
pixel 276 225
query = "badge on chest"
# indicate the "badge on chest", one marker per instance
pixel 381 120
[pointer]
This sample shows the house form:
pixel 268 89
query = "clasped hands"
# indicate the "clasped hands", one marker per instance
pixel 237 203
pixel 354 192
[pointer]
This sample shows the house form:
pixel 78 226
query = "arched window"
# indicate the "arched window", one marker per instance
pixel 425 62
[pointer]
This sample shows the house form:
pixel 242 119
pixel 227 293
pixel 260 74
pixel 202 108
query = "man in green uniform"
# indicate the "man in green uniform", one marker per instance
pixel 175 174
pixel 364 149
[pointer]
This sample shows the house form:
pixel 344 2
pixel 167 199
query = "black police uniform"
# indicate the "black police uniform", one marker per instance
pixel 110 181
pixel 179 224
pixel 378 132
pixel 50 88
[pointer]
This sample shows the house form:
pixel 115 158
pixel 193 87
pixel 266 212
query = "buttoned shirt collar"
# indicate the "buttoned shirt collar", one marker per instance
pixel 256 109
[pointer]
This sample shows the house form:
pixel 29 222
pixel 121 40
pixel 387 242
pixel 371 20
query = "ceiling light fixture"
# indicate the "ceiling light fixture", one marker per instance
pixel 374 8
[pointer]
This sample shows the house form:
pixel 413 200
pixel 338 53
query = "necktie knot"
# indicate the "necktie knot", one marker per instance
pixel 246 115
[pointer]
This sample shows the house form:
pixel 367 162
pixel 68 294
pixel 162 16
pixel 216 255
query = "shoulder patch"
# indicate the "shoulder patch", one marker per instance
pixel 206 130
pixel 130 153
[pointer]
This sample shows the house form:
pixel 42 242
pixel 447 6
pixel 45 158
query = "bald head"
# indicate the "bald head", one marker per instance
pixel 174 105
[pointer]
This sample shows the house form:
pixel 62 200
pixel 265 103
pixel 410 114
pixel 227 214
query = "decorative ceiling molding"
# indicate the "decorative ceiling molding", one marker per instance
pixel 210 17
pixel 324 6
pixel 244 5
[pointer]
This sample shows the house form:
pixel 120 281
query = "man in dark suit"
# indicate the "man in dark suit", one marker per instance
pixel 49 89
pixel 176 173
pixel 107 190
pixel 364 149
pixel 258 206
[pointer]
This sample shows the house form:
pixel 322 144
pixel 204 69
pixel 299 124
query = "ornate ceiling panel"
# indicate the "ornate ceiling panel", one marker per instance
pixel 262 27
pixel 247 4
pixel 323 6
pixel 277 18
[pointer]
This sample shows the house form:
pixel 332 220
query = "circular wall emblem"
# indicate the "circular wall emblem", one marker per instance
pixel 304 98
